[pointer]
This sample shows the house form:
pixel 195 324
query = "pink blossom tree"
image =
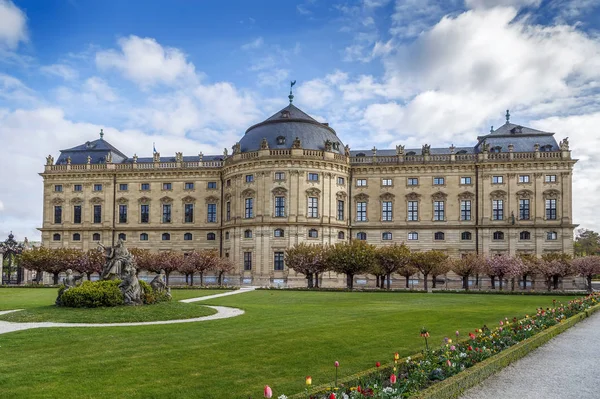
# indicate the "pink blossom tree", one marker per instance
pixel 504 266
pixel 200 262
pixel 555 266
pixel 469 265
pixel 587 267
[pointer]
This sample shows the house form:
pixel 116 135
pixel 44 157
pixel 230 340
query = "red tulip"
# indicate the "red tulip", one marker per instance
pixel 470 348
pixel 336 364
pixel 377 364
pixel 332 396
pixel 358 389
pixel 396 356
pixel 268 392
pixel 393 378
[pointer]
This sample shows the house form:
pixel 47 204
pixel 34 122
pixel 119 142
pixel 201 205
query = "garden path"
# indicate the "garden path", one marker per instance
pixel 223 312
pixel 565 367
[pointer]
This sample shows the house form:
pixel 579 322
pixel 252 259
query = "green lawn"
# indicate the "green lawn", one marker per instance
pixel 283 337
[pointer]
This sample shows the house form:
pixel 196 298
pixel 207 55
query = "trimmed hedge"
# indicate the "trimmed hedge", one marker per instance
pixel 106 293
pixel 435 291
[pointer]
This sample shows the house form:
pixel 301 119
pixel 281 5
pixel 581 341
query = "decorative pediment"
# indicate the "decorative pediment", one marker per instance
pixel 498 194
pixel 188 199
pixel 467 195
pixel 96 200
pixel 524 194
pixel 313 192
pixel 247 193
pixel 341 195
pixel 144 200
pixel 76 200
pixel 413 196
pixel 227 196
pixel 361 197
pixel 166 200
pixel 387 197
pixel 439 196
pixel 122 200
pixel 280 191
pixel 57 201
pixel 552 194
pixel 211 199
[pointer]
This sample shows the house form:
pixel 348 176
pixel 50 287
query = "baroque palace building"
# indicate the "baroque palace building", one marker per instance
pixel 290 179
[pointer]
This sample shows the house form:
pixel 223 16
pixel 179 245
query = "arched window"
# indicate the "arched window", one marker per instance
pixel 123 236
pixel 361 236
pixel 525 235
pixel 465 236
pixel 280 140
pixel 278 233
pixel 360 154
pixel 498 235
pixel 166 236
pixel 247 233
pixel 96 237
pixel 144 237
pixel 386 236
pixel 341 235
pixel 439 236
pixel 56 237
pixel 227 235
pixel 211 236
pixel 187 237
pixel 461 152
pixel 76 237
pixel 411 153
pixel 312 233
pixel 413 235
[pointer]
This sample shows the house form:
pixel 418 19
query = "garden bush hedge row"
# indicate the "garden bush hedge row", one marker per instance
pixel 94 294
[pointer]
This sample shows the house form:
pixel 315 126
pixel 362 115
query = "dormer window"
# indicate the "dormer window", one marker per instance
pixel 546 148
pixel 336 146
pixel 280 140
pixel 496 149
pixel 410 153
pixel 462 152
pixel 285 114
pixel 360 154
pixel 516 130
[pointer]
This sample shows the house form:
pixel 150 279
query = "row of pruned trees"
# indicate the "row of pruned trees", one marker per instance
pixel 359 257
pixel 58 260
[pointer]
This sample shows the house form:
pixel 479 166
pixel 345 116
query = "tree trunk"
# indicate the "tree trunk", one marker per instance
pixel 389 280
pixel 201 279
pixel 316 280
pixel 350 281
pixel 549 283
pixel 433 282
pixel 477 280
pixel 589 282
pixel 501 280
pixel 524 281
pixel 191 279
pixel 89 275
pixel 512 284
pixel 377 281
pixel 186 278
pixel 220 278
pixel 167 274
pixel 309 280
pixel 493 281
pixel 425 281
pixel 55 278
pixel 555 282
pixel 465 281
pixel 407 281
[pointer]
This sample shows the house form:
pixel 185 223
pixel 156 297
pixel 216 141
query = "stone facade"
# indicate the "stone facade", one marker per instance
pixel 251 205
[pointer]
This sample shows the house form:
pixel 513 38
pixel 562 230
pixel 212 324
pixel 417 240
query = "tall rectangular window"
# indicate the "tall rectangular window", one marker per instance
pixel 97 213
pixel 247 260
pixel 523 209
pixel 188 213
pixel 279 206
pixel 212 213
pixel 438 210
pixel 122 213
pixel 386 211
pixel 144 213
pixel 361 211
pixel 497 209
pixel 550 209
pixel 58 214
pixel 413 211
pixel 340 210
pixel 313 207
pixel 278 261
pixel 166 214
pixel 465 210
pixel 77 214
pixel 228 210
pixel 249 210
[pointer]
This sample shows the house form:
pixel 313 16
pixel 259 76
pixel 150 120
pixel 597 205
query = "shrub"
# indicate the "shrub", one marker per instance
pixel 92 294
pixel 149 296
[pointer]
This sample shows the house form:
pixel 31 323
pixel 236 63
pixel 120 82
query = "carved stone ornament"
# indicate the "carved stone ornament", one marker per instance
pixel 399 150
pixel 341 195
pixel 247 193
pixel 69 160
pixel 179 157
pixel 452 149
pixel 227 196
pixel 564 144
pixel 485 146
pixel 188 199
pixel 96 200
pixel 279 191
pixel 439 196
pixel 511 147
pixel 361 197
pixel 328 145
pixel 466 195
pixel 156 157
pixel 387 197
pixel 225 152
pixel 347 150
pixel 144 200
pixel 200 156
pixel 313 192
pixel 57 201
pixel 135 158
pixel 264 145
pixel 122 200
pixel 237 148
pixel 296 143
pixel 426 149
pixel 538 175
pixel 211 199
pixel 412 196
pixel 551 194
pixel 89 160
pixel 76 200
pixel 524 194
pixel 166 200
pixel 374 151
pixel 498 194
pixel 109 157
pixel 536 147
pixel 49 160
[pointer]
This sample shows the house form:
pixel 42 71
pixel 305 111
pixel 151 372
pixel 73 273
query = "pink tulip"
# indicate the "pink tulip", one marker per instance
pixel 336 364
pixel 448 362
pixel 393 378
pixel 268 392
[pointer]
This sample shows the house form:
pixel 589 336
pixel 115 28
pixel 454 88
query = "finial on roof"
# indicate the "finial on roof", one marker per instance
pixel 291 96
pixel 492 129
pixel 101 134
pixel 507 116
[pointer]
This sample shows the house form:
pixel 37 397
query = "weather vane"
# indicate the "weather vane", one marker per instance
pixel 507 116
pixel 291 96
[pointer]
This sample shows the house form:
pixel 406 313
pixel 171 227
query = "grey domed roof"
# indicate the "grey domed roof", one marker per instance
pixel 281 130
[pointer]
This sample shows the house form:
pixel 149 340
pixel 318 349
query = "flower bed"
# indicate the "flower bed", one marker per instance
pixel 488 349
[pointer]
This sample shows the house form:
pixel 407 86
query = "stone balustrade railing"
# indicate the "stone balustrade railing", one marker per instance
pixel 451 158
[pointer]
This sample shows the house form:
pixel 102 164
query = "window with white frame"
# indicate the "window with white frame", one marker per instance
pixel 438 181
pixel 465 180
pixel 524 209
pixel 313 177
pixel 361 182
pixel 279 176
pixel 550 179
pixel 313 233
pixel 361 211
pixel 313 207
pixel 523 178
pixel 249 208
pixel 413 235
pixel 551 235
pixel 550 209
pixel 497 179
pixel 279 207
pixel 386 182
pixel 497 209
pixel 413 211
pixel 386 211
pixel 465 210
pixel 340 210
pixel 412 181
pixel 387 236
pixel 249 178
pixel 341 181
pixel 438 210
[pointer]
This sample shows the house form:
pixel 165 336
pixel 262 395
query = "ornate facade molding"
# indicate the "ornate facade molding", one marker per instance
pixel 57 201
pixel 313 192
pixel 341 195
pixel 280 191
pixel 166 200
pixel 439 196
pixel 362 197
pixel 96 200
pixel 188 199
pixel 211 199
pixel 144 200
pixel 524 194
pixel 227 196
pixel 76 200
pixel 466 195
pixel 498 194
pixel 413 196
pixel 122 200
pixel 247 193
pixel 387 197
pixel 551 194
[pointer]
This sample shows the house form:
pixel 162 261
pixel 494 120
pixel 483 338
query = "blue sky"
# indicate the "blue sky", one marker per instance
pixel 192 76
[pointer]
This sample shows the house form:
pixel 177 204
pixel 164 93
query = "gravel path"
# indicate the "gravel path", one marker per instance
pixel 566 367
pixel 223 312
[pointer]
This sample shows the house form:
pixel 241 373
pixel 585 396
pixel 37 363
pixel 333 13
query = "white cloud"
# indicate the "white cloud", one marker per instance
pixel 15 91
pixel 254 44
pixel 274 77
pixel 147 63
pixel 61 70
pixel 13 24
pixel 100 89
pixel 317 93
pixel 502 3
